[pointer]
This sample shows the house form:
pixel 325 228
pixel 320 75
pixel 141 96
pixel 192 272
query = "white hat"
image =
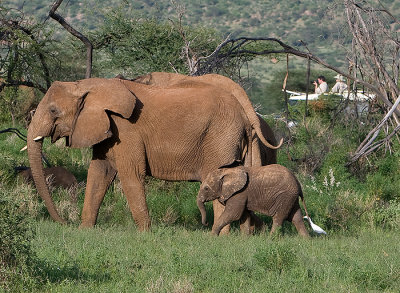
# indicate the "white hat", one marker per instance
pixel 339 77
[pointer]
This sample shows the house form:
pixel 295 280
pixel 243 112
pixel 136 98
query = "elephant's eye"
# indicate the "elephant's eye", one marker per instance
pixel 54 111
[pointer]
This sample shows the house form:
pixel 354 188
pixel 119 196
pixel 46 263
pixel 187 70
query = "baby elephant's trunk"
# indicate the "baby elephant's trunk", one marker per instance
pixel 203 213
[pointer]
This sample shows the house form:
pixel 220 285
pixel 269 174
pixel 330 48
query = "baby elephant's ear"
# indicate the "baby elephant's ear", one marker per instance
pixel 233 181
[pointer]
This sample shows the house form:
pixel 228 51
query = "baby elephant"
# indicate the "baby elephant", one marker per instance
pixel 272 190
pixel 55 176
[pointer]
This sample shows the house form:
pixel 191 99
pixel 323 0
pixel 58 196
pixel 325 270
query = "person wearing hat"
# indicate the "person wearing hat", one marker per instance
pixel 320 85
pixel 339 86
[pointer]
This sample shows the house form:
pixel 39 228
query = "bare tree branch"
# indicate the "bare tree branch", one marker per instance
pixel 15 25
pixel 366 144
pixel 22 82
pixel 221 56
pixel 75 33
pixel 191 57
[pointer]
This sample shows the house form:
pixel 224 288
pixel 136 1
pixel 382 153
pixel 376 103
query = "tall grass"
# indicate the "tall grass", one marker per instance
pixel 175 259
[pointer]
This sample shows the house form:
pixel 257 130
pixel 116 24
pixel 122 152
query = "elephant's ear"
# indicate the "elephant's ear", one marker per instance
pixel 233 181
pixel 92 124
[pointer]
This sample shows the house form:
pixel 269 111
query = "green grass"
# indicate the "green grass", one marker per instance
pixel 175 259
pixel 359 208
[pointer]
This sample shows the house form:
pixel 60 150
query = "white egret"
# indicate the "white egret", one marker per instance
pixel 317 229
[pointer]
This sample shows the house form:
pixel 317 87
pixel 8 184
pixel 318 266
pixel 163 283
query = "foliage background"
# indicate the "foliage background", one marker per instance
pixel 358 205
pixel 209 22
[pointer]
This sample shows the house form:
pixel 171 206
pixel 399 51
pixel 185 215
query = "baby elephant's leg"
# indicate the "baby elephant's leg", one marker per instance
pixel 218 209
pixel 277 221
pixel 246 227
pixel 232 212
pixel 249 222
pixel 296 218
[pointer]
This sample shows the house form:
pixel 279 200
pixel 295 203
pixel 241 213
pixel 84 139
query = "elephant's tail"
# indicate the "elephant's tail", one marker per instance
pixel 256 125
pixel 265 142
pixel 301 195
pixel 304 203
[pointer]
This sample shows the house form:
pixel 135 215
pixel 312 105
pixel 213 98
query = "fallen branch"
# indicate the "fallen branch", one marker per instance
pixel 16 132
pixel 367 146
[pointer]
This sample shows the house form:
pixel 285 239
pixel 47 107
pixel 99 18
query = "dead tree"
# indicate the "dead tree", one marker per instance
pixel 375 55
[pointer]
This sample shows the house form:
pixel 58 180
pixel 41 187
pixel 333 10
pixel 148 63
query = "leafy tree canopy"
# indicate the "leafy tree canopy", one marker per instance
pixel 135 46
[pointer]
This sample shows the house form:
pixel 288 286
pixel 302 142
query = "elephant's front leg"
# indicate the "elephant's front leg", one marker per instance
pixel 233 211
pixel 100 176
pixel 218 209
pixel 248 222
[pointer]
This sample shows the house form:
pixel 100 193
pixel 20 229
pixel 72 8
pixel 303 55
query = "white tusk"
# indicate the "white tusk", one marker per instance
pixel 24 148
pixel 38 138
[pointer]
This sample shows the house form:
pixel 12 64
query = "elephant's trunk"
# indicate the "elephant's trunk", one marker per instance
pixel 202 208
pixel 35 160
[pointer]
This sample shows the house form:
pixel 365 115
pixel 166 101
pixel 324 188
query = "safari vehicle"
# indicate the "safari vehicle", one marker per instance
pixel 357 99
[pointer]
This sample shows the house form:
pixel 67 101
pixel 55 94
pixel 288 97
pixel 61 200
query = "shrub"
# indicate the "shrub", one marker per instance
pixel 387 215
pixel 173 202
pixel 16 103
pixel 340 197
pixel 16 255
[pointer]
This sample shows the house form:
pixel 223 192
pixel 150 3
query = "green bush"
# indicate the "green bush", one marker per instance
pixel 387 215
pixel 16 103
pixel 341 197
pixel 383 180
pixel 16 255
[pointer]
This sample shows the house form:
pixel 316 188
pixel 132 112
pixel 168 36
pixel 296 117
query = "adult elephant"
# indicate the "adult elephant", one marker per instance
pixel 264 142
pixel 176 133
pixel 264 149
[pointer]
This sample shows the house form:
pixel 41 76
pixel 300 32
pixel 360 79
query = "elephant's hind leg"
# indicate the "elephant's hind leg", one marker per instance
pixel 100 176
pixel 134 192
pixel 297 219
pixel 132 181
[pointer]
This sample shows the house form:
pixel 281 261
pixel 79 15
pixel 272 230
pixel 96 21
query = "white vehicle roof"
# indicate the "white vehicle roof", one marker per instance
pixel 294 96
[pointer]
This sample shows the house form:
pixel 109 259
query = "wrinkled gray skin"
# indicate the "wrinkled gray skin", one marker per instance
pixel 137 130
pixel 271 190
pixel 262 153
